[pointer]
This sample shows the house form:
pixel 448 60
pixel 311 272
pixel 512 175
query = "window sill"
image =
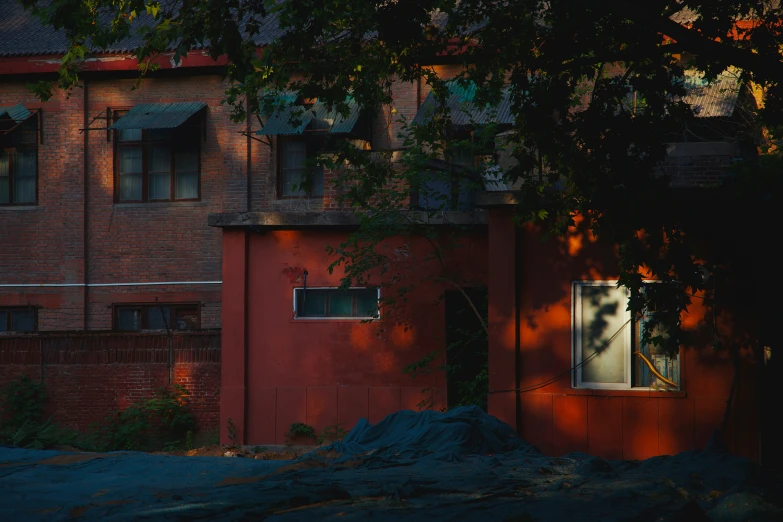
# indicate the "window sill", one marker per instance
pixel 160 204
pixel 643 392
pixel 20 207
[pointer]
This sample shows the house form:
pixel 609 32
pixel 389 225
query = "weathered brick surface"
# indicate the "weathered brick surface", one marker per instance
pixel 88 377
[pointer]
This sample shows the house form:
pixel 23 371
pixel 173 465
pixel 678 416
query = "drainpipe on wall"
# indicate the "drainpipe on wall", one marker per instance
pixel 517 324
pixel 86 219
pixel 249 204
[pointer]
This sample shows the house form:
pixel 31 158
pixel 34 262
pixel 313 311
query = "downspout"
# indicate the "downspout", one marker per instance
pixel 86 218
pixel 517 324
pixel 249 190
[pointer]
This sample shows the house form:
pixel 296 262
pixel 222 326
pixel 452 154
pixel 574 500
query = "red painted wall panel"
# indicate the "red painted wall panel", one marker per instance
pixel 344 369
pixel 353 403
pixel 262 401
pixel 569 424
pixel 640 428
pixel 620 424
pixel 675 425
pixel 321 407
pixel 604 428
pixel 291 409
pixel 383 401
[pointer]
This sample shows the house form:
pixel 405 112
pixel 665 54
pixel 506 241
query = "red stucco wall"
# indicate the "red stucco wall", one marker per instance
pixel 324 372
pixel 611 424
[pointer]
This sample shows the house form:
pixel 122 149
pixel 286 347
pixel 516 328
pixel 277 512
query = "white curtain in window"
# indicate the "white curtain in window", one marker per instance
pixel 24 177
pixel 159 173
pixel 4 177
pixel 186 174
pixel 604 334
pixel 130 173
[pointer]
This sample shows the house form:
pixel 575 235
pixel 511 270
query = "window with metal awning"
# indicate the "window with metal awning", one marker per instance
pixel 301 126
pixel 156 152
pixel 450 181
pixel 20 134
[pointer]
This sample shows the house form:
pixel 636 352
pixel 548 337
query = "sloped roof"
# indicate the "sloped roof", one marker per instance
pixel 716 99
pixel 158 115
pixel 280 122
pixel 462 110
pixel 18 112
pixel 22 34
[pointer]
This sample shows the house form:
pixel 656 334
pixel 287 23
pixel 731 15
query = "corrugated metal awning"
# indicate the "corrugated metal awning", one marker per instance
pixel 158 115
pixel 461 109
pixel 18 113
pixel 716 99
pixel 295 119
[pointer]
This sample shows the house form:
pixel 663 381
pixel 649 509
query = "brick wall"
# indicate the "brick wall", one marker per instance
pixel 88 376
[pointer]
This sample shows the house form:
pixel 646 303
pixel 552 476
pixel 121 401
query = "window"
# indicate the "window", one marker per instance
pixel 157 164
pixel 18 319
pixel 135 318
pixel 449 184
pixel 19 164
pixel 358 303
pixel 609 353
pixel 292 162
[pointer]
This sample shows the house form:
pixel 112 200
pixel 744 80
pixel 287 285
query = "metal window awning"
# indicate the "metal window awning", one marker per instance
pixel 294 119
pixel 18 113
pixel 715 99
pixel 461 109
pixel 158 115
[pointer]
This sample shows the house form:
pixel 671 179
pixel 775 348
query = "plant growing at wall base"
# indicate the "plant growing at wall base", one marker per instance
pixel 162 421
pixel 331 433
pixel 231 428
pixel 298 429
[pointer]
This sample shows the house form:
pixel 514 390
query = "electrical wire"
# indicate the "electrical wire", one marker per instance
pixel 567 372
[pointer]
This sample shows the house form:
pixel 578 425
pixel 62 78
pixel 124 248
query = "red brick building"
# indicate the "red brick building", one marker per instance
pixel 104 202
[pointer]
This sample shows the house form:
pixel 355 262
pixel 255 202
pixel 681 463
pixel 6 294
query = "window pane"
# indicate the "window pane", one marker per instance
pixel 435 192
pixel 155 319
pixel 160 173
pixel 318 182
pixel 666 364
pixel 128 319
pixel 130 173
pixel 367 302
pixel 3 321
pixel 186 172
pixel 24 176
pixel 4 177
pixel 23 320
pixel 186 319
pixel 603 315
pixel 129 135
pixel 293 155
pixel 340 304
pixel 311 303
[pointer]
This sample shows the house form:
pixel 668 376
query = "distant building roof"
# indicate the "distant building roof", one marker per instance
pixel 22 34
pixel 716 99
pixel 462 110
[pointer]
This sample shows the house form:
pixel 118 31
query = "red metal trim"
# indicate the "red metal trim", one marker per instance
pixel 106 62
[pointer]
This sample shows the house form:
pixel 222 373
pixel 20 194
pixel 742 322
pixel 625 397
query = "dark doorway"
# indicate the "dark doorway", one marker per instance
pixel 771 398
pixel 466 353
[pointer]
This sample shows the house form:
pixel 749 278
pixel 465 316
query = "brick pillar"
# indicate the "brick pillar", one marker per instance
pixel 234 343
pixel 502 315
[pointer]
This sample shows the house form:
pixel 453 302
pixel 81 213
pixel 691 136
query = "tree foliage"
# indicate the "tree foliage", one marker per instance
pixel 596 93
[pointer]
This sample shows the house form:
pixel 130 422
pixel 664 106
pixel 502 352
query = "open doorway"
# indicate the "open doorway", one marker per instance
pixel 467 347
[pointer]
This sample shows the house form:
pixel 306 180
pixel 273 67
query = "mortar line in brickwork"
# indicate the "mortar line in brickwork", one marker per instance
pixel 61 285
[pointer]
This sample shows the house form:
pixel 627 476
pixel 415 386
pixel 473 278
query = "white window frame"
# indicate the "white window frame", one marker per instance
pixel 576 339
pixel 344 318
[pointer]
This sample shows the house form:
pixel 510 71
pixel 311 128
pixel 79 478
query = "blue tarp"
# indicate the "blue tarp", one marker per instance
pixel 459 465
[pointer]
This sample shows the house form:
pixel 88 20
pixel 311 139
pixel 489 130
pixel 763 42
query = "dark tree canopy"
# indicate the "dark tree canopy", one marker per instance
pixel 595 90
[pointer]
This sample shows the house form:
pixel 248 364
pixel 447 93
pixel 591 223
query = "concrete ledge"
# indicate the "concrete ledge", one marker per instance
pixel 701 149
pixel 337 219
pixel 497 199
